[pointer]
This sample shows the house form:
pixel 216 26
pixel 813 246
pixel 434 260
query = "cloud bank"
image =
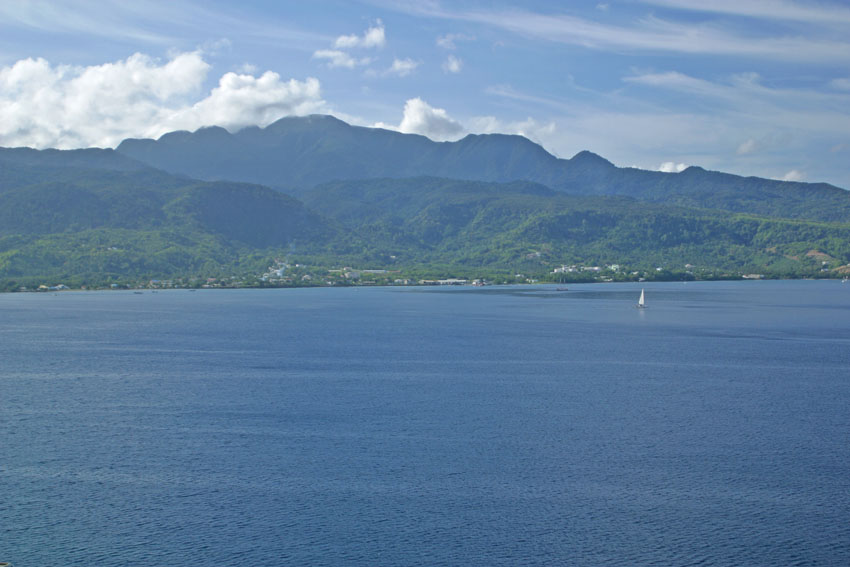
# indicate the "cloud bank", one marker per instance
pixel 61 106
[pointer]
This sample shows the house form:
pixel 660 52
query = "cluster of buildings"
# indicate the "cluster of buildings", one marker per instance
pixel 564 269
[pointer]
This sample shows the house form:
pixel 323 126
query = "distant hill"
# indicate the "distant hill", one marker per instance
pixel 299 152
pixel 91 224
pixel 296 153
pixel 88 158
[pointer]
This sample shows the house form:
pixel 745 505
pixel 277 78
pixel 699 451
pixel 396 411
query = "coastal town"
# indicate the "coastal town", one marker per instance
pixel 282 274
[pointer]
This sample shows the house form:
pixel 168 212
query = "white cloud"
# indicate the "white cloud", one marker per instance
pixel 654 34
pixel 453 64
pixel 435 123
pixel 770 10
pixel 147 22
pixel 672 167
pixel 677 81
pixel 421 118
pixel 449 41
pixel 63 106
pixel 374 37
pixel 110 19
pixel 243 100
pixel 794 175
pixel 402 67
pixel 338 58
pixel 747 147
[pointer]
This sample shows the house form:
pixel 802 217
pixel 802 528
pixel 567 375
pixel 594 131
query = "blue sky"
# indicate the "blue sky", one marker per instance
pixel 750 87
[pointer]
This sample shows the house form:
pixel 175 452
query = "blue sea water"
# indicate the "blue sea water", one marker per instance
pixel 428 426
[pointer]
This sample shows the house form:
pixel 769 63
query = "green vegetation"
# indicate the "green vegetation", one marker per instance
pixel 98 227
pixel 523 227
pixel 96 218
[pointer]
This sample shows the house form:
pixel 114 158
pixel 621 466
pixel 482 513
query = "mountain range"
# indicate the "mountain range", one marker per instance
pixel 215 202
pixel 297 153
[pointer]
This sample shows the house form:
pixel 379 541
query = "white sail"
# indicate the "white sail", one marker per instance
pixel 642 300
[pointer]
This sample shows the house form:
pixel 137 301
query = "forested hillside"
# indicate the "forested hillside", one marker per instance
pixel 95 217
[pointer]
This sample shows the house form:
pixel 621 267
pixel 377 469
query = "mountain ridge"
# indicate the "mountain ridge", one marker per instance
pixel 295 154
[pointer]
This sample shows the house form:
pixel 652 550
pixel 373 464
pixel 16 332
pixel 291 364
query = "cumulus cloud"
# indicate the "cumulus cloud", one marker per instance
pixel 242 100
pixel 452 64
pixel 374 37
pixel 402 67
pixel 338 58
pixel 435 123
pixel 794 175
pixel 42 105
pixel 672 167
pixel 422 118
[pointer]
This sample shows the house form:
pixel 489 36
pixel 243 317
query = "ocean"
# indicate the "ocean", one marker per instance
pixel 428 426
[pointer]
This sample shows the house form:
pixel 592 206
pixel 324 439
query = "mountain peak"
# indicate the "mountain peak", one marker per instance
pixel 586 157
pixel 311 121
pixel 211 132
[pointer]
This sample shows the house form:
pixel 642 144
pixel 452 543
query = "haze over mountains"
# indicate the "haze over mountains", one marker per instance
pixel 212 202
pixel 296 153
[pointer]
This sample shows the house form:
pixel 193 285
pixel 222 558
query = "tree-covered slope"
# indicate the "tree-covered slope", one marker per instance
pixel 107 224
pixel 479 223
pixel 66 222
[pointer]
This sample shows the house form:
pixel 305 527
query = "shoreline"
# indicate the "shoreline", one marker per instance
pixel 431 284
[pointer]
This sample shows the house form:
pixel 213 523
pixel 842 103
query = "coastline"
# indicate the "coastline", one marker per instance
pixel 452 282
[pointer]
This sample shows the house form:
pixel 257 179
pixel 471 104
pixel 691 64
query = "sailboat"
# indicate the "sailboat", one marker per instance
pixel 642 301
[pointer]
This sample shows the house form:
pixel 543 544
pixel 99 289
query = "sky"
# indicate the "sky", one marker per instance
pixel 752 87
